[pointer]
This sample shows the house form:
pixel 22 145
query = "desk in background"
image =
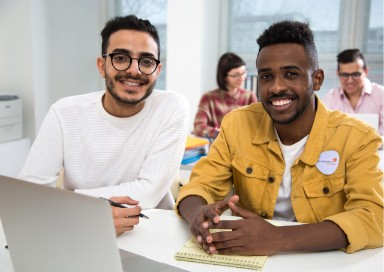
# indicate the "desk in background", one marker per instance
pixel 160 237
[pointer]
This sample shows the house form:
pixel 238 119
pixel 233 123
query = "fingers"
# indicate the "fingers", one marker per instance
pixel 240 211
pixel 124 224
pixel 233 199
pixel 222 206
pixel 124 200
pixel 125 219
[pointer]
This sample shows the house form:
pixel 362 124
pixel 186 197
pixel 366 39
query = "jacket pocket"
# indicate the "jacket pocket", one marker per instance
pixel 326 196
pixel 249 179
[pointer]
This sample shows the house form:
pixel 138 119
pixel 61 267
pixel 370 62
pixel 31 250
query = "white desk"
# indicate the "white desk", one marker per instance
pixel 164 233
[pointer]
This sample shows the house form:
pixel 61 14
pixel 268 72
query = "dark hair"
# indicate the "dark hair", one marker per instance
pixel 350 55
pixel 291 32
pixel 130 22
pixel 227 62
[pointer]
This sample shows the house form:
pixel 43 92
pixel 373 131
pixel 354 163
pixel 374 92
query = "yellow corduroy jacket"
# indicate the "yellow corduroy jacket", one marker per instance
pixel 347 190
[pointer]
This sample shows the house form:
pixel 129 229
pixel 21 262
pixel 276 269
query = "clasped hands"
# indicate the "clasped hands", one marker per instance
pixel 251 235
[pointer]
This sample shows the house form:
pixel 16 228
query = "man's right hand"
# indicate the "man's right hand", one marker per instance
pixel 125 218
pixel 201 217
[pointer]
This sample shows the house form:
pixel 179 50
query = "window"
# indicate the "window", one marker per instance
pixel 154 11
pixel 337 25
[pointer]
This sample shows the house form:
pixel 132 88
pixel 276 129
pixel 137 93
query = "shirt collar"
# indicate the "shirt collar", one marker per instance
pixel 314 144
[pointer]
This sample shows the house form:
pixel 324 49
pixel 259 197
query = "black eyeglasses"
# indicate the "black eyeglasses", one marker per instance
pixel 122 61
pixel 354 75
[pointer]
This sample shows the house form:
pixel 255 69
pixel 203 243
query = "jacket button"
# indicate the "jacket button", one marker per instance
pixel 325 190
pixel 263 214
pixel 249 170
pixel 271 179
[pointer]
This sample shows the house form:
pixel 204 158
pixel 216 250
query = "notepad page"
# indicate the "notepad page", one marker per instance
pixel 192 252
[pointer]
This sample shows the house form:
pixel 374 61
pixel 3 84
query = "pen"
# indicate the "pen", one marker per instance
pixel 115 204
pixel 207 136
pixel 217 130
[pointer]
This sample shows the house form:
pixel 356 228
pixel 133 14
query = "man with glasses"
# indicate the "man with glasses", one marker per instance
pixel 124 143
pixel 356 94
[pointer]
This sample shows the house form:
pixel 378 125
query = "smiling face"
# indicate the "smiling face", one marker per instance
pixel 352 86
pixel 286 83
pixel 235 77
pixel 127 90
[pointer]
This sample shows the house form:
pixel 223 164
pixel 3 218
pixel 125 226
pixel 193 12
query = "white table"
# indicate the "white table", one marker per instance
pixel 164 233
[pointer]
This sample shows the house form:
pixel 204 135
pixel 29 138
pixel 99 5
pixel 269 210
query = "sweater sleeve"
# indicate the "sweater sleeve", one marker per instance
pixel 203 118
pixel 45 158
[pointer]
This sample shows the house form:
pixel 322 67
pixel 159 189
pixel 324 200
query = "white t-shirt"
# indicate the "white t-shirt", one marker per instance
pixel 283 208
pixel 103 155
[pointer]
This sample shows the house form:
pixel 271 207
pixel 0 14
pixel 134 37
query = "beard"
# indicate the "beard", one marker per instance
pixel 299 111
pixel 111 88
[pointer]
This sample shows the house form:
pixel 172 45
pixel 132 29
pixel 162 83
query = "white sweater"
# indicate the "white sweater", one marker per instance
pixel 105 156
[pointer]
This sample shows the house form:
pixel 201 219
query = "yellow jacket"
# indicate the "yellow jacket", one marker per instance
pixel 246 156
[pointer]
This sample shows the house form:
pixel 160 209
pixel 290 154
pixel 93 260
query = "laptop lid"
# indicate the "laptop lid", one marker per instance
pixel 370 119
pixel 49 229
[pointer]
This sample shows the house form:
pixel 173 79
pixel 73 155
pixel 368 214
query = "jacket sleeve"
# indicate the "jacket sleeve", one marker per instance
pixel 362 219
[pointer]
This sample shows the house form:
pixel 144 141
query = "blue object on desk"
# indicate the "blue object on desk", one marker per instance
pixel 194 152
pixel 193 159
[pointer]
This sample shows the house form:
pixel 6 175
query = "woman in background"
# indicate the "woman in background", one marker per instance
pixel 230 76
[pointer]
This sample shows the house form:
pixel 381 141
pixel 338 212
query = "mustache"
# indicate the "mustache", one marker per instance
pixel 281 96
pixel 124 76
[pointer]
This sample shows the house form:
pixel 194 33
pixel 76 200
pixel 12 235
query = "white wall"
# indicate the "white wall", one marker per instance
pixel 16 65
pixel 192 48
pixel 49 50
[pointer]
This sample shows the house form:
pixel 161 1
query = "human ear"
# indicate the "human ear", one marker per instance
pixel 100 63
pixel 159 69
pixel 317 78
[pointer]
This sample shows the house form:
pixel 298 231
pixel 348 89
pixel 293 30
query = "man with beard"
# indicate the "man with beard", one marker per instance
pixel 287 158
pixel 124 143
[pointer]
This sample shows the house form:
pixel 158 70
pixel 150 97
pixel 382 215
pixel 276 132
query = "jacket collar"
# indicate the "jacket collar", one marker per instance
pixel 314 145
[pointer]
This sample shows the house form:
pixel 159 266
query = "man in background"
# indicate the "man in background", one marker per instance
pixel 125 142
pixel 356 94
pixel 287 158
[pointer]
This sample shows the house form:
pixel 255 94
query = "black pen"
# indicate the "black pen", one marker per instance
pixel 115 204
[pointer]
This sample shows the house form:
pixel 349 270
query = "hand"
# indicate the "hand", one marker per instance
pixel 249 236
pixel 206 217
pixel 125 218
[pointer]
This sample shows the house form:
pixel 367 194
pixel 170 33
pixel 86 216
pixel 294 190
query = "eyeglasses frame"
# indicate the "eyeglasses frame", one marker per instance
pixel 354 75
pixel 111 55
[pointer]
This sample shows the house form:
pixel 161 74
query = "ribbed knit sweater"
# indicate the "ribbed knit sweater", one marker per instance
pixel 105 156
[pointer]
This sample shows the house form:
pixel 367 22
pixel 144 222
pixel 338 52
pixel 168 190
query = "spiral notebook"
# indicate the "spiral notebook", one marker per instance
pixel 192 252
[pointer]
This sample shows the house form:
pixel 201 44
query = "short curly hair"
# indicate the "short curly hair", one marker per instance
pixel 129 22
pixel 291 32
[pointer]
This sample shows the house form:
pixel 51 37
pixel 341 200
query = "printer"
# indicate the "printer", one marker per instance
pixel 11 119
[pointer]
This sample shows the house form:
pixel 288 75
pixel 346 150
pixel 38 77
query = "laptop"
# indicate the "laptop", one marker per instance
pixel 50 229
pixel 370 119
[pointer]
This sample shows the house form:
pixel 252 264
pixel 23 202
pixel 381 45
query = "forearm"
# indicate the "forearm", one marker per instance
pixel 311 237
pixel 189 206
